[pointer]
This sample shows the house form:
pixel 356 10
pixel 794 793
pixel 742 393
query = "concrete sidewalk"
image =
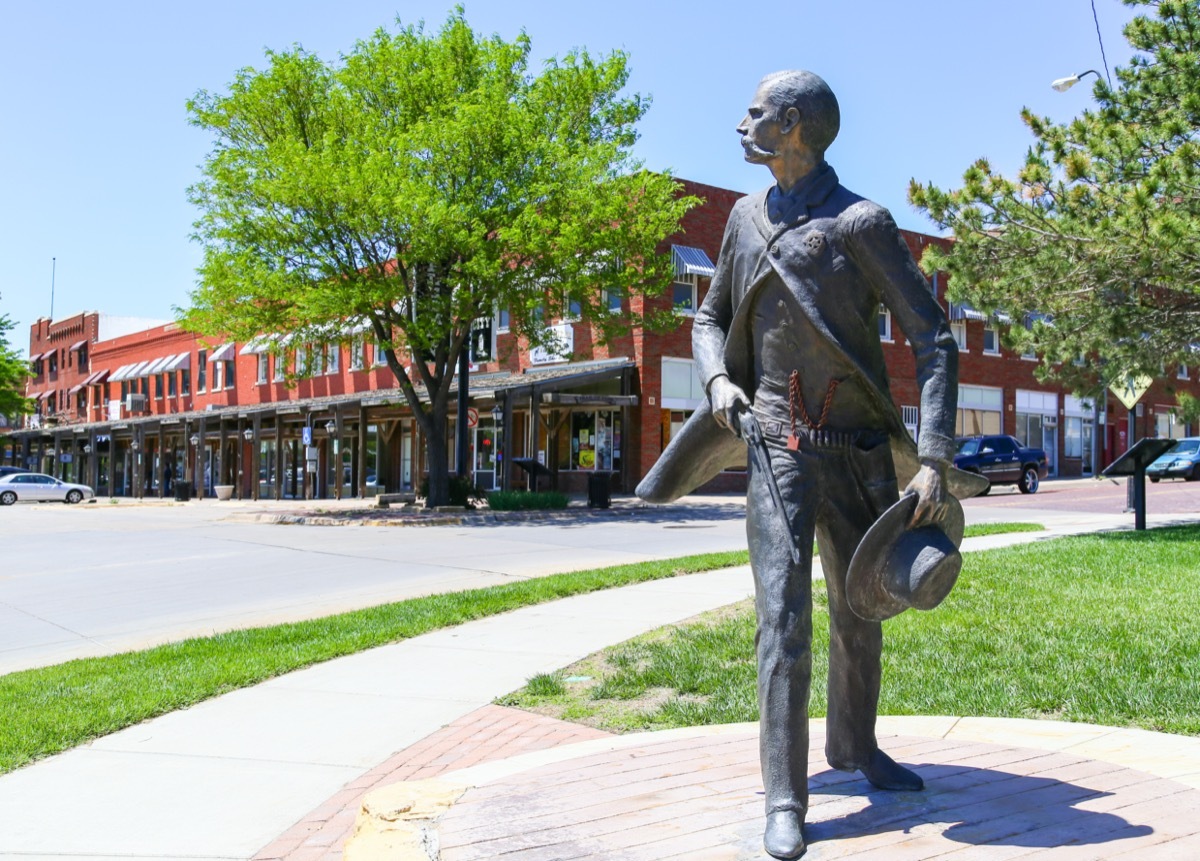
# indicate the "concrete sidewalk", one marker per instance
pixel 227 777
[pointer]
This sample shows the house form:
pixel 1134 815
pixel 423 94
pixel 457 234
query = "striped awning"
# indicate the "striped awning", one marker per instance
pixel 965 311
pixel 96 378
pixel 256 345
pixel 181 362
pixel 692 261
pixel 222 353
pixel 77 344
pixel 138 370
pixel 74 389
pixel 156 365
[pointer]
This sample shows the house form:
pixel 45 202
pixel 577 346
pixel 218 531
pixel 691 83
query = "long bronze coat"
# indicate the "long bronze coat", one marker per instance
pixel 840 259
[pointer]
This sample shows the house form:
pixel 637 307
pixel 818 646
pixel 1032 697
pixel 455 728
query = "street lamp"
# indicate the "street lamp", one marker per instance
pixel 195 439
pixel 248 434
pixel 1064 84
pixel 330 427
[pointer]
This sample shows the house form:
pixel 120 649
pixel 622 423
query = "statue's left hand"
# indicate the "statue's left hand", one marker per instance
pixel 929 484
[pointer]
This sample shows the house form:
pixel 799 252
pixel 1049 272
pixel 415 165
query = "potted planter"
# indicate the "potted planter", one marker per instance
pixel 224 492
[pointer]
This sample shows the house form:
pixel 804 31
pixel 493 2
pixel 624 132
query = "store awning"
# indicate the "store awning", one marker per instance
pixel 74 389
pixel 692 261
pixel 77 344
pixel 259 344
pixel 181 362
pixel 96 378
pixel 138 370
pixel 36 356
pixel 155 365
pixel 222 353
pixel 964 311
pixel 45 396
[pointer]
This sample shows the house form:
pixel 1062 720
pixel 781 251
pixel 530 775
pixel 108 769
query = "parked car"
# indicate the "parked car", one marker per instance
pixel 1182 460
pixel 36 487
pixel 11 470
pixel 1001 459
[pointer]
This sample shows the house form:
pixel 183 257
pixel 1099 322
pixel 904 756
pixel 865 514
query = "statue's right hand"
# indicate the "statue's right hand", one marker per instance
pixel 728 400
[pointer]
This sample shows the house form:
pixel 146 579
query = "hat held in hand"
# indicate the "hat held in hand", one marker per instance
pixel 896 567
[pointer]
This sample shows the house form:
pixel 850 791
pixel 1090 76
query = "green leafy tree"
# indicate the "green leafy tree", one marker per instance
pixel 418 184
pixel 14 372
pixel 1099 234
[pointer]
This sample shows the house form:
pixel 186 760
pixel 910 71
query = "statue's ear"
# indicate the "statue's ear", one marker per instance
pixel 791 119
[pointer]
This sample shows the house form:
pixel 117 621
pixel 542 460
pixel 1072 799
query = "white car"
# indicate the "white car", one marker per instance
pixel 36 487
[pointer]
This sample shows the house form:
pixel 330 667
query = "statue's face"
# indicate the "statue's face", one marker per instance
pixel 763 128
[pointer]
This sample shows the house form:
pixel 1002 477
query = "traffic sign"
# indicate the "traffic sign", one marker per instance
pixel 472 417
pixel 1130 390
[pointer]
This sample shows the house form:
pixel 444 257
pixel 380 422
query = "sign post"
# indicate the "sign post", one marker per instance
pixel 1129 391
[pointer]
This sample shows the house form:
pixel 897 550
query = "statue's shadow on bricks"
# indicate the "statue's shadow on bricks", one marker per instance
pixel 980 806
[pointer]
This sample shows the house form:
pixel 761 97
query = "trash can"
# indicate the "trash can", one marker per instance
pixel 183 491
pixel 599 495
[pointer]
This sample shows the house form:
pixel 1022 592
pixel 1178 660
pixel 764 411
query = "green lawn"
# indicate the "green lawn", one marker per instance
pixel 47 710
pixel 1101 629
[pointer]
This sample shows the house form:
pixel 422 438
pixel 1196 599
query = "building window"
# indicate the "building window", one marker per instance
pixel 885 324
pixel 502 320
pixel 171 385
pixel 594 442
pixel 158 386
pixel 911 417
pixel 281 360
pixel 185 382
pixel 54 362
pixel 316 360
pixel 230 373
pixel 612 301
pixel 333 358
pixel 202 371
pixel 1182 373
pixel 83 356
pixel 217 378
pixel 380 355
pixel 263 360
pixel 979 410
pixel 302 361
pixel 959 330
pixel 38 368
pixel 358 351
pixel 683 295
pixel 574 308
pixel 991 340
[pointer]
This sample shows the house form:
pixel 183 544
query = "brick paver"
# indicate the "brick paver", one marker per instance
pixel 700 797
pixel 486 734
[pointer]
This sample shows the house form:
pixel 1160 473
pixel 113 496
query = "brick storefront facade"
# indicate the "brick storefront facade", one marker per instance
pixel 120 401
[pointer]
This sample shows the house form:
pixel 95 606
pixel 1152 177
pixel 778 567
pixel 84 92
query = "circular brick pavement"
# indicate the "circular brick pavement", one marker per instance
pixel 699 797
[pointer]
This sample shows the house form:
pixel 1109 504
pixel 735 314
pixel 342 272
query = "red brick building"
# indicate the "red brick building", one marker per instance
pixel 130 406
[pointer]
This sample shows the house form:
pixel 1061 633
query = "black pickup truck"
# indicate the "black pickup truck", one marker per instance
pixel 1002 460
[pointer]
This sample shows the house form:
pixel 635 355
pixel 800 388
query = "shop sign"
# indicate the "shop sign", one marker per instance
pixel 562 344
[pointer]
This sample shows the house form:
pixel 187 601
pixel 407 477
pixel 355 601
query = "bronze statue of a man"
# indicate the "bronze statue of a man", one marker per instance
pixel 787 345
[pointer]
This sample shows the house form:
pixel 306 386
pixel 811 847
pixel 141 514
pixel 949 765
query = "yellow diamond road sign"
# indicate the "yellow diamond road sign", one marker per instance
pixel 1130 391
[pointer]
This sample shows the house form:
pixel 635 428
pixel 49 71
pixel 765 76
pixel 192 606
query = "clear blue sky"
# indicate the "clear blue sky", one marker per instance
pixel 96 152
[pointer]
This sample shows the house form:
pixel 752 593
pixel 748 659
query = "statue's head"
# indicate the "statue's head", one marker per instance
pixel 790 109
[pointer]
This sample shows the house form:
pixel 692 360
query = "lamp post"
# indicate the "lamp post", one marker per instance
pixel 1064 84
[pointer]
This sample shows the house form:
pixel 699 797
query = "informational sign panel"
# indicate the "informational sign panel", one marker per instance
pixel 306 435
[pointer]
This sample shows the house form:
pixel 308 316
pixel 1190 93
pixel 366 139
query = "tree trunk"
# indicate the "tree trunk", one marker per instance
pixel 437 451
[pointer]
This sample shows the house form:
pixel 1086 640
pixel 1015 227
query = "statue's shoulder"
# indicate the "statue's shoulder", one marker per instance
pixel 856 213
pixel 746 207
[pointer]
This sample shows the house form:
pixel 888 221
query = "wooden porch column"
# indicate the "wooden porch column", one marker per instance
pixel 361 478
pixel 278 456
pixel 337 467
pixel 157 474
pixel 201 456
pixel 255 456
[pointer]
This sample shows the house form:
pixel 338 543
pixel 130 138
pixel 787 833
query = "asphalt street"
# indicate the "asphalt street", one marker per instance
pixel 99 578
